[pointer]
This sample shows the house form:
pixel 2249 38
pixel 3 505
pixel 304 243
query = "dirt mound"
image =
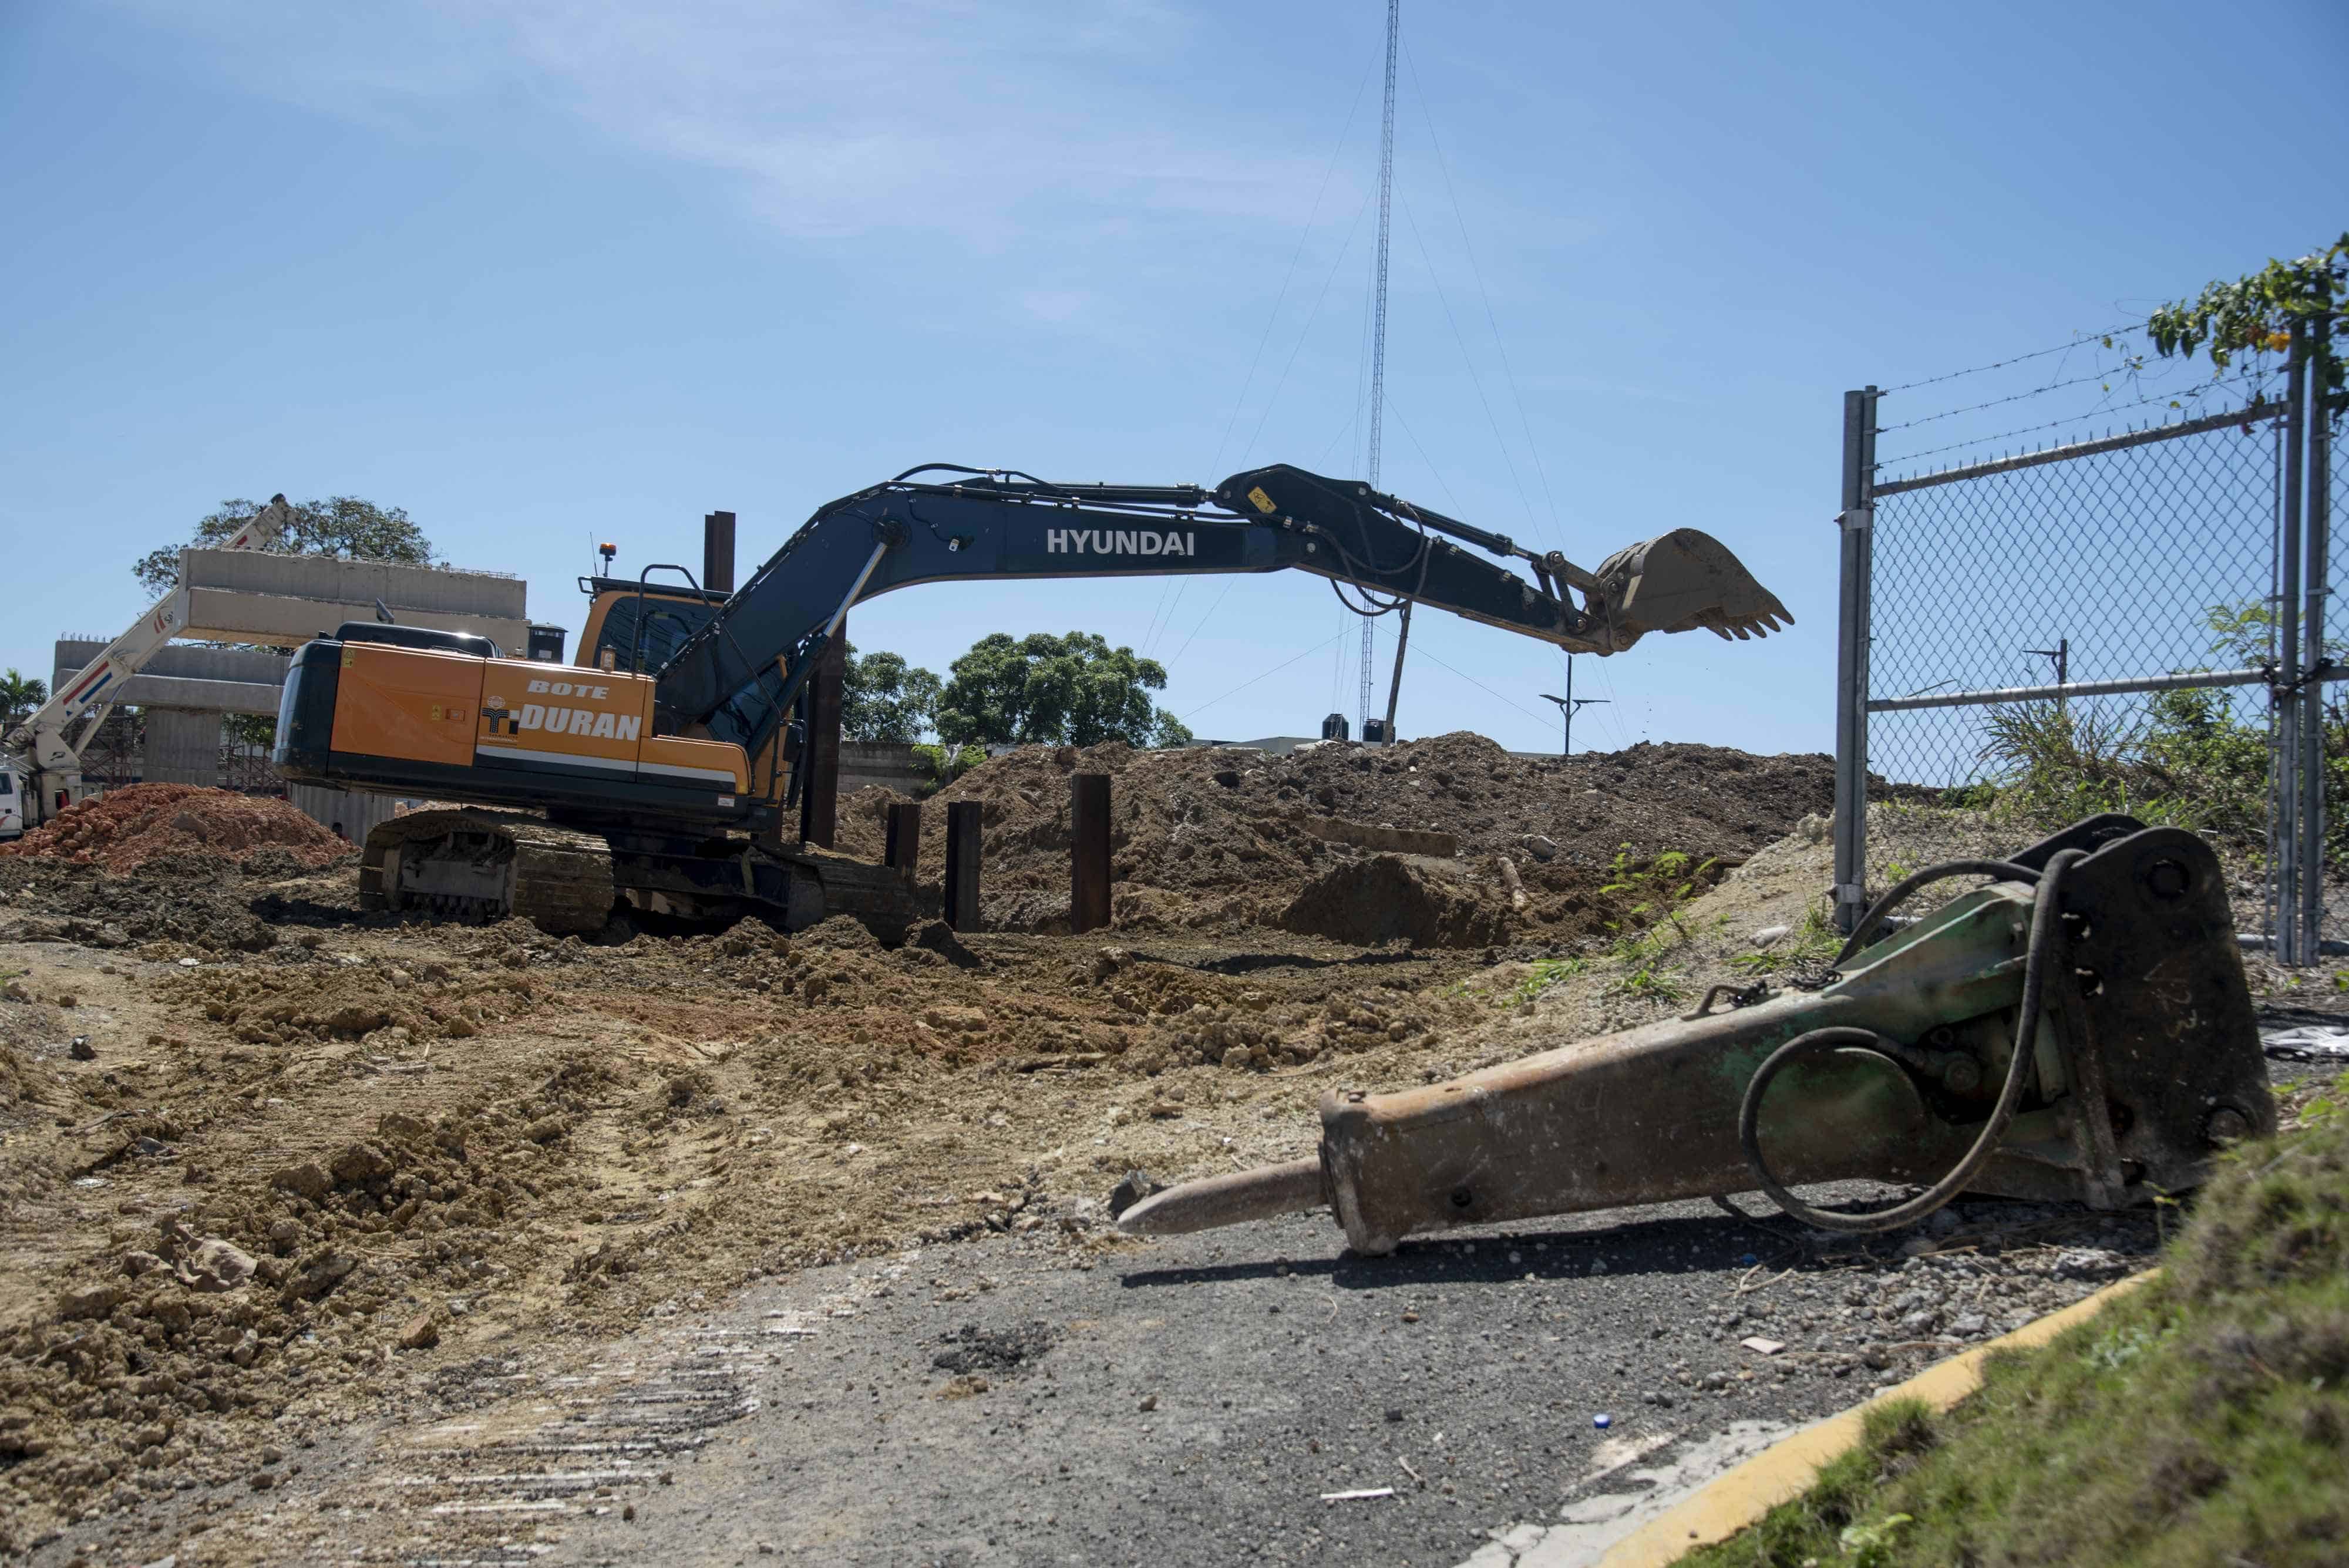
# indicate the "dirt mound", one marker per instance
pixel 1219 838
pixel 123 829
pixel 1387 899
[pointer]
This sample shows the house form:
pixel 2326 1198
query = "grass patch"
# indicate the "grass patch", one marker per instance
pixel 1807 946
pixel 1660 889
pixel 2204 1419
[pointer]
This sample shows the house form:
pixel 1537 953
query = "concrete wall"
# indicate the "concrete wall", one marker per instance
pixel 889 763
pixel 252 596
pixel 181 748
pixel 357 813
pixel 223 679
pixel 179 661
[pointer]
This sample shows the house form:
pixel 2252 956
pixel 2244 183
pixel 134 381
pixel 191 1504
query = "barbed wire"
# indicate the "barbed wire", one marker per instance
pixel 2081 341
pixel 2016 397
pixel 2174 401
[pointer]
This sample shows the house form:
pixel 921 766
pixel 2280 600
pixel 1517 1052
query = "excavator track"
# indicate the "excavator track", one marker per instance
pixel 467 863
pixel 470 864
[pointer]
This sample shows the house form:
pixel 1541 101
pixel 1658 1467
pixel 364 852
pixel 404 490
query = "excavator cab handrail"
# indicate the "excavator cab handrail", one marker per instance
pixel 636 631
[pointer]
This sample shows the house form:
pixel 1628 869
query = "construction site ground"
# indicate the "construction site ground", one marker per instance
pixel 333 1236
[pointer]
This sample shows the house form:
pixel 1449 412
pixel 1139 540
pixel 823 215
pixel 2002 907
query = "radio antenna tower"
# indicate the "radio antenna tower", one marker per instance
pixel 1379 357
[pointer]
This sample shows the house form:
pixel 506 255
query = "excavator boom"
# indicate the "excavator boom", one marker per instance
pixel 941 524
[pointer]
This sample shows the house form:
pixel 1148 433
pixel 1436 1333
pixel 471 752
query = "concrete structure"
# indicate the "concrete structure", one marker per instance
pixel 246 595
pixel 357 813
pixel 215 680
pixel 282 601
pixel 888 763
pixel 181 748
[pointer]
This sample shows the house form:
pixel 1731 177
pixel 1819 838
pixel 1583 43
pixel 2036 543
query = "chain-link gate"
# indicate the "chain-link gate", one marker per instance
pixel 2135 621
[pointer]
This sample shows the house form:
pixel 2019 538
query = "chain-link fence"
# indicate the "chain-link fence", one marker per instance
pixel 2131 620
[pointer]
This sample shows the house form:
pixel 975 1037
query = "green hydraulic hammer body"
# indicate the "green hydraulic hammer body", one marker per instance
pixel 2145 1059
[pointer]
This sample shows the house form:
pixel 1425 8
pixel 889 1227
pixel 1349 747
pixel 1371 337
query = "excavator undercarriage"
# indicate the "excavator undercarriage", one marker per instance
pixel 473 865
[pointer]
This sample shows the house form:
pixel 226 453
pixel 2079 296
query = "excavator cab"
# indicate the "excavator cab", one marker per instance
pixel 640 623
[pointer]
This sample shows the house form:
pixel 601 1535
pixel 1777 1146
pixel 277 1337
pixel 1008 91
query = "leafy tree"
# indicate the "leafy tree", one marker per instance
pixel 883 698
pixel 19 695
pixel 1060 690
pixel 341 525
pixel 2255 313
pixel 947 763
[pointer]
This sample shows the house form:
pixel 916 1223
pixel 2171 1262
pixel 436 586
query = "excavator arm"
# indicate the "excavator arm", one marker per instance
pixel 737 678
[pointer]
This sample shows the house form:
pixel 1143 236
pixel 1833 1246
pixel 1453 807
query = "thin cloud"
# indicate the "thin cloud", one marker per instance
pixel 967 122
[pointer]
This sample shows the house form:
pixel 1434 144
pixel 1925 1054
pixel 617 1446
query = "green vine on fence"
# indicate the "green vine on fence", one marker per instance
pixel 2255 313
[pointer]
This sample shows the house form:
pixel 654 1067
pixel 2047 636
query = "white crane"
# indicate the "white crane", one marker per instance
pixel 40 759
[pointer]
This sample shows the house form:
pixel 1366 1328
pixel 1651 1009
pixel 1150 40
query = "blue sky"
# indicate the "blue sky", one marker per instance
pixel 545 273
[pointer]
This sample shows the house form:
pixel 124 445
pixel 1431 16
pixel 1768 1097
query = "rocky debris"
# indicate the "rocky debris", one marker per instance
pixel 971 1349
pixel 1133 1188
pixel 88 1301
pixel 192 899
pixel 937 937
pixel 356 1163
pixel 216 1265
pixel 319 1273
pixel 308 1179
pixel 125 828
pixel 421 1332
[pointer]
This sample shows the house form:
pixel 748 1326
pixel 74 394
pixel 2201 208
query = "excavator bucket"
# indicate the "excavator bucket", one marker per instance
pixel 1680 581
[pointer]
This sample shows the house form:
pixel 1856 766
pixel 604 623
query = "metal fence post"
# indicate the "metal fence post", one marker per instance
pixel 2285 832
pixel 1856 523
pixel 2316 519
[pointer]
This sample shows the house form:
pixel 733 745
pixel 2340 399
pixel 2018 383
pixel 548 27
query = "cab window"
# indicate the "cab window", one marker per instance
pixel 645 634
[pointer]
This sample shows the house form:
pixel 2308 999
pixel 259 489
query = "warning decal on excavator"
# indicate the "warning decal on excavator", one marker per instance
pixel 1260 500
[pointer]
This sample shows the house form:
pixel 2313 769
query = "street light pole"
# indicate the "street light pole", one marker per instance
pixel 1570 705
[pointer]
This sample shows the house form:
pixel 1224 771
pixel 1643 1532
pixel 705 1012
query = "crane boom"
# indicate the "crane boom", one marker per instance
pixel 46 747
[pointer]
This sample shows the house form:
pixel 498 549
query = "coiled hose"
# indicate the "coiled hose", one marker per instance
pixel 2045 920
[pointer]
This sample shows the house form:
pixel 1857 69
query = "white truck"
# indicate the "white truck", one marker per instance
pixel 40 759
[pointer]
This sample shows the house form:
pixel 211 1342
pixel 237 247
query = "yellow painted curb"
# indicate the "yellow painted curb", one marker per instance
pixel 1785 1470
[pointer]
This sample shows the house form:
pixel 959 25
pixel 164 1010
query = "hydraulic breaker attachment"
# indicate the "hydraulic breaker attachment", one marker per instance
pixel 2078 1028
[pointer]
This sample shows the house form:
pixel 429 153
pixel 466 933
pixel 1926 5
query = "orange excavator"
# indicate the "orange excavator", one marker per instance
pixel 658 771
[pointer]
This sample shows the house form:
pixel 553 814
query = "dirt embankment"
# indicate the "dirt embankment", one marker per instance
pixel 1218 840
pixel 123 829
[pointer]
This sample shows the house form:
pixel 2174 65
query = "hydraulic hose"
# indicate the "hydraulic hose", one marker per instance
pixel 2046 917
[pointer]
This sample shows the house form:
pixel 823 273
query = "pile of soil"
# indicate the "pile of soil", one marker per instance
pixel 1217 838
pixel 123 829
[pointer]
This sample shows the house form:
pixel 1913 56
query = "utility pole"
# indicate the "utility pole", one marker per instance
pixel 2061 656
pixel 1378 367
pixel 1569 706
